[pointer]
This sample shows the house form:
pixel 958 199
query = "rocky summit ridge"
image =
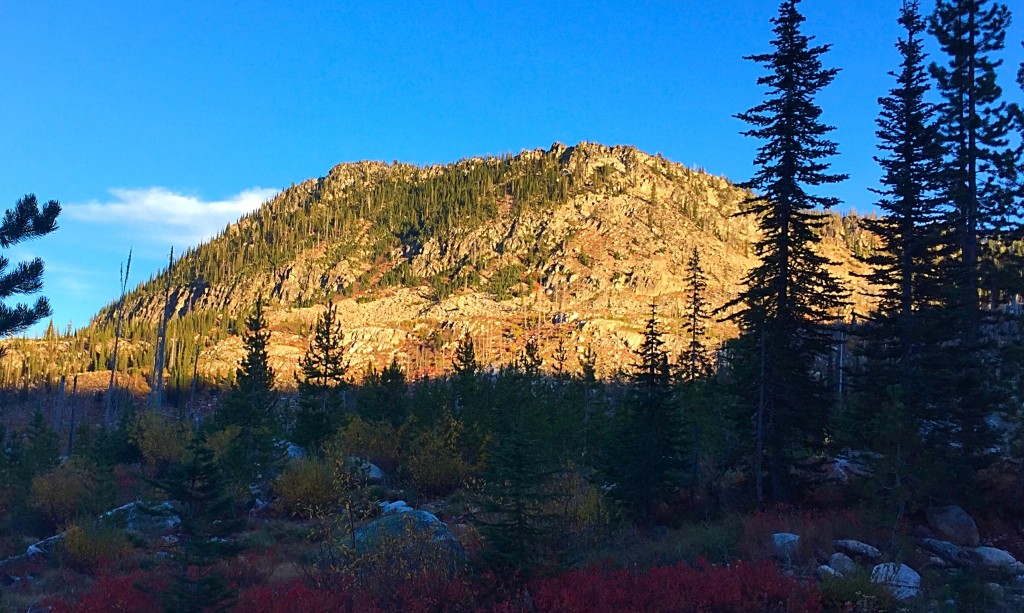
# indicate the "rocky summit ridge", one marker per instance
pixel 569 246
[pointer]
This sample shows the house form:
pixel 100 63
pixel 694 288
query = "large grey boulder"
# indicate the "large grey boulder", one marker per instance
pixel 857 549
pixel 902 581
pixel 784 545
pixel 843 564
pixel 410 533
pixel 991 557
pixel 948 552
pixel 955 524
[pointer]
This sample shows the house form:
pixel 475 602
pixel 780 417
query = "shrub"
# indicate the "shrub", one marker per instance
pixel 161 440
pixel 60 494
pixel 307 488
pixel 118 594
pixel 817 530
pixel 434 463
pixel 293 596
pixel 91 547
pixel 375 441
pixel 857 593
pixel 740 588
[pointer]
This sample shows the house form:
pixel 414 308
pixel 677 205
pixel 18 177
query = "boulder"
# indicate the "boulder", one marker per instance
pixel 398 506
pixel 901 580
pixel 371 472
pixel 142 519
pixel 825 571
pixel 414 534
pixel 842 563
pixel 955 524
pixel 857 549
pixel 784 545
pixel 991 557
pixel 949 552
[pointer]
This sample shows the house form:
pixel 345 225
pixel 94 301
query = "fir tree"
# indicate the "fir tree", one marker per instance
pixel 41 451
pixel 205 510
pixel 979 184
pixel 902 383
pixel 791 293
pixel 25 221
pixel 464 363
pixel 907 271
pixel 250 407
pixel 323 377
pixel 515 520
pixel 383 394
pixel 588 364
pixel 696 361
pixel 529 360
pixel 976 123
pixel 644 460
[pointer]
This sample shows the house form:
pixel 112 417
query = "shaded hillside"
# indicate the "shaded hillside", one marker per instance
pixel 567 245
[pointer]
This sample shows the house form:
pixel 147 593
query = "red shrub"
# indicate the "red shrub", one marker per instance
pixel 415 595
pixel 118 594
pixel 292 596
pixel 740 588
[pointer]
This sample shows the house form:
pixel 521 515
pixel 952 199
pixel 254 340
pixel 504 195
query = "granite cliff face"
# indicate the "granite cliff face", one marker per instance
pixel 569 245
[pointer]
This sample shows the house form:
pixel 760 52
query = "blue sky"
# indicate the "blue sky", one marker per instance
pixel 157 123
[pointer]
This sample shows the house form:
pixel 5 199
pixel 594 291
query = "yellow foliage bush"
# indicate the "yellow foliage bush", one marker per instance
pixel 434 463
pixel 60 494
pixel 374 441
pixel 161 440
pixel 307 488
pixel 88 548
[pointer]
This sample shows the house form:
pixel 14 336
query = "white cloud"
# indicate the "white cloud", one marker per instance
pixel 160 214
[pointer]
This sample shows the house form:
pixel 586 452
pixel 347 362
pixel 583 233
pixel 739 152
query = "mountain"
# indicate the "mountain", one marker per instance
pixel 567 245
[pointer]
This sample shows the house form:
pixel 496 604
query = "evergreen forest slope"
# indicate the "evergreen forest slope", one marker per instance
pixel 569 246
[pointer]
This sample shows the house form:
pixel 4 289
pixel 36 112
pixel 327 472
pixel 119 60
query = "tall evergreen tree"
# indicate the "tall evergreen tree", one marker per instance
pixel 249 409
pixel 464 363
pixel 696 361
pixel 645 457
pixel 516 521
pixel 902 385
pixel 529 360
pixel 907 271
pixel 791 294
pixel 979 182
pixel 323 377
pixel 383 394
pixel 206 518
pixel 40 452
pixel 980 164
pixel 24 222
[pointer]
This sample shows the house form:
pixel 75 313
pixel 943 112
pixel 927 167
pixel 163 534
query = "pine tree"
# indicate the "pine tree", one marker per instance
pixel 323 378
pixel 529 360
pixel 645 457
pixel 515 519
pixel 196 485
pixel 901 384
pixel 976 123
pixel 696 361
pixel 464 363
pixel 588 364
pixel 250 406
pixel 25 221
pixel 907 269
pixel 41 451
pixel 791 294
pixel 979 184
